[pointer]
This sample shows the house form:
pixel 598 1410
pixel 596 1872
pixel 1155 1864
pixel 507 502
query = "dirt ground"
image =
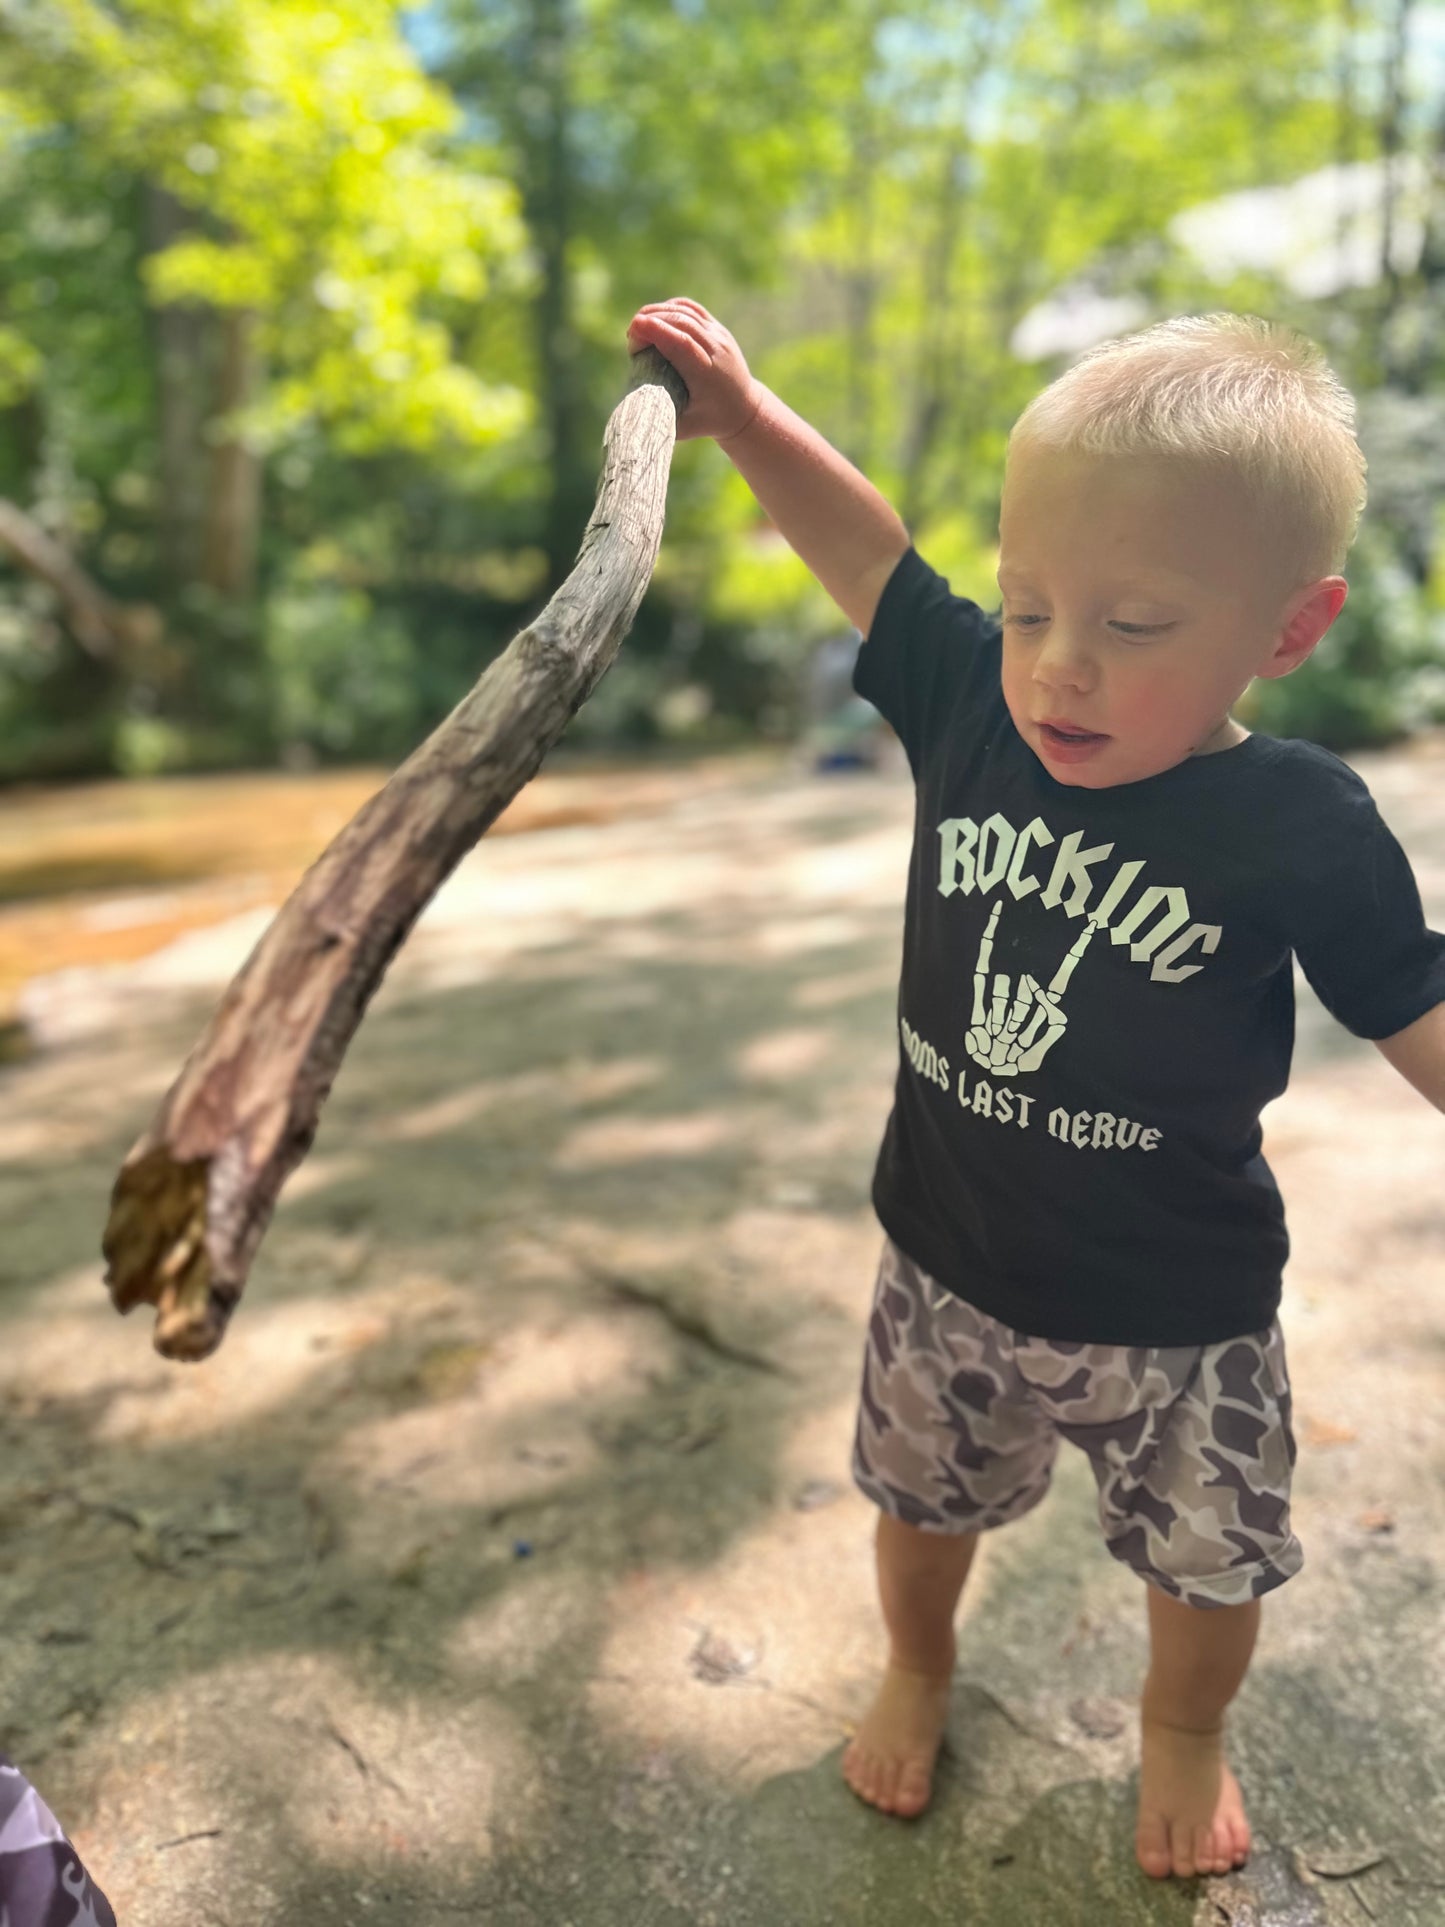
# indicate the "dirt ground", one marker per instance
pixel 503 1564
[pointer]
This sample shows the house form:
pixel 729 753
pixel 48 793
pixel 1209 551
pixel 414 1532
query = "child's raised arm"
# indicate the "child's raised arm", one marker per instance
pixel 828 511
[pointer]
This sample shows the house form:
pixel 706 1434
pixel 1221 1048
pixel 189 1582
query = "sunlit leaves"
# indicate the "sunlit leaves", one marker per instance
pixel 316 156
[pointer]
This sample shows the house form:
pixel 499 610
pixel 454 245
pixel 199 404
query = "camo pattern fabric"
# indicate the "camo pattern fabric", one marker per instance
pixel 42 1883
pixel 1191 1447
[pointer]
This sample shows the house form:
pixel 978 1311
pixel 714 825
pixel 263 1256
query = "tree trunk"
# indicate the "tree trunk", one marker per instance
pixel 1390 144
pixel 933 397
pixel 233 501
pixel 550 214
pixel 860 278
pixel 183 352
pixel 22 436
pixel 197 1191
pixel 943 370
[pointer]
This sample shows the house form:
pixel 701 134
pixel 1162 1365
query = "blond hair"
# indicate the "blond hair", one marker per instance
pixel 1253 398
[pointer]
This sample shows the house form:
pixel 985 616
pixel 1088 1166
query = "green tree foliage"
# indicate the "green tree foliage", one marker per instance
pixel 308 142
pixel 311 318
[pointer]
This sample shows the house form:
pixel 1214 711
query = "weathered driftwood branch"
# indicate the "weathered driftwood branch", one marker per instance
pixel 99 624
pixel 196 1192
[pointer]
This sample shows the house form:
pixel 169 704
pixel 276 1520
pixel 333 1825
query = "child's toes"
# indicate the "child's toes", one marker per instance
pixel 1151 1846
pixel 913 1788
pixel 887 1785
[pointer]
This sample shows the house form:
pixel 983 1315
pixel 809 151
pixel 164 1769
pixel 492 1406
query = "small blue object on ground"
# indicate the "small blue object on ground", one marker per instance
pixel 522 1548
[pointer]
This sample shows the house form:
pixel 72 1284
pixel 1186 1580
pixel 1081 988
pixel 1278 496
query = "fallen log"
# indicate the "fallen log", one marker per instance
pixel 196 1192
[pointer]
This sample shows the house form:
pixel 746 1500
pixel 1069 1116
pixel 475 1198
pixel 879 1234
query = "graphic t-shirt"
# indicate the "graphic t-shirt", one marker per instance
pixel 1097 997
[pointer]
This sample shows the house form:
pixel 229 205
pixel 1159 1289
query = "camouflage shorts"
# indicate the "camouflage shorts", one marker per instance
pixel 1191 1448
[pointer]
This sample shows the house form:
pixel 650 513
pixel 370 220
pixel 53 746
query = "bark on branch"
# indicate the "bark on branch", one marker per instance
pixel 197 1191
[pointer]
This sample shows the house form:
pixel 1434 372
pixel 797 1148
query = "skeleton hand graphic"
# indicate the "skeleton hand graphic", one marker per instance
pixel 999 1039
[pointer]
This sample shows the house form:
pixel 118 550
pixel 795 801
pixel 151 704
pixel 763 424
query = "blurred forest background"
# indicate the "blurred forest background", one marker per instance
pixel 311 317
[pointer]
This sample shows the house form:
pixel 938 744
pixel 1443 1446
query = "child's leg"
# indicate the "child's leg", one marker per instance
pixel 920 1576
pixel 1198 1657
pixel 1191 1450
pixel 1197 1661
pixel 948 1435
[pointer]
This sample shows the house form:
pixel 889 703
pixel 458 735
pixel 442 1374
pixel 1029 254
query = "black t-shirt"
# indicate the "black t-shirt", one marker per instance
pixel 1087 1165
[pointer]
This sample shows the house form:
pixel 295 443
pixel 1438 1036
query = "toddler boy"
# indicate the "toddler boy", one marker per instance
pixel 1108 878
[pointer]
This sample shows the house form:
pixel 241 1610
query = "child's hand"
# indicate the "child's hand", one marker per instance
pixel 723 396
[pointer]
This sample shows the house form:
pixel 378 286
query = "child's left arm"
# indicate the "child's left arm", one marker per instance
pixel 1418 1054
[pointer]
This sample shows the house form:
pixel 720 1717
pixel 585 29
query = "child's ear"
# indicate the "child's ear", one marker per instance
pixel 1323 602
pixel 1315 608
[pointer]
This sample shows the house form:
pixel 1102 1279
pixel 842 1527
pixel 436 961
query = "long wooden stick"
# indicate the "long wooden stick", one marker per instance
pixel 196 1192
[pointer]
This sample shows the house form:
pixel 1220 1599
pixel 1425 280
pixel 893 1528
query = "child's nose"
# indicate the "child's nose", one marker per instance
pixel 1063 656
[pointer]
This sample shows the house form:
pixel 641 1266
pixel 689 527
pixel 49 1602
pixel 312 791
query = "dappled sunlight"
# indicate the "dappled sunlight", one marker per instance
pixel 523 1424
pixel 858 870
pixel 566 1250
pixel 743 893
pixel 357 1773
pixel 783 1054
pixel 475 952
pixel 845 987
pixel 51 1136
pixel 74 1346
pixel 272 1354
pixel 818 1260
pixel 508 1639
pixel 796 936
pixel 585 1083
pixel 544 1388
pixel 450 1112
pixel 628 1140
pixel 51 1108
pixel 318 1173
pixel 758 1276
pixel 749 1664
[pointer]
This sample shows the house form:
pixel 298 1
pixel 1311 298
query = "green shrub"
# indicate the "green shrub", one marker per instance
pixel 342 674
pixel 1375 674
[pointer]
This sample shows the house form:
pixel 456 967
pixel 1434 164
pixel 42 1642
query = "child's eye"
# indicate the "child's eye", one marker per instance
pixel 1124 628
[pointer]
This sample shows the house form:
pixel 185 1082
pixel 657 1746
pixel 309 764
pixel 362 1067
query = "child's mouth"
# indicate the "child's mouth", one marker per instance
pixel 1069 745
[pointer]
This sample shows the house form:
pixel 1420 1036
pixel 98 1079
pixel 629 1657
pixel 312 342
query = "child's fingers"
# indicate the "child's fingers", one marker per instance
pixel 683 314
pixel 675 301
pixel 675 326
pixel 645 320
pixel 689 357
pixel 665 315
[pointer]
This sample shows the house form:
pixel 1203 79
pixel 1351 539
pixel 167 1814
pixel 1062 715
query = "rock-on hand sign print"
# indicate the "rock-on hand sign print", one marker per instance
pixel 1017 1038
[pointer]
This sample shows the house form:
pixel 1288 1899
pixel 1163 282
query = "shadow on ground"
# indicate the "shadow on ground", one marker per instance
pixel 503 1563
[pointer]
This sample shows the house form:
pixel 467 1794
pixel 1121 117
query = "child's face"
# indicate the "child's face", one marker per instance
pixel 1093 550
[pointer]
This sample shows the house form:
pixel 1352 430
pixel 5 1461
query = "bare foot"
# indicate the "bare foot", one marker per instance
pixel 1191 1811
pixel 889 1761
